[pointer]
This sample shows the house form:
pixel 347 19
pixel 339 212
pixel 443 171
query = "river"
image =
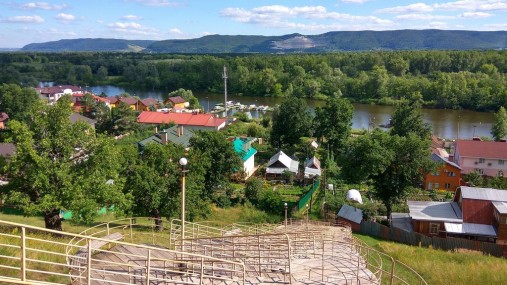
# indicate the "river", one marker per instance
pixel 448 124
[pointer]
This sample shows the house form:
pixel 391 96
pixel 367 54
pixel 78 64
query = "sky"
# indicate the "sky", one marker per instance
pixel 24 22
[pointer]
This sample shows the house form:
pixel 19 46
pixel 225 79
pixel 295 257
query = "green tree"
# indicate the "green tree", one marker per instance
pixel 333 123
pixel 391 163
pixel 217 157
pixel 59 165
pixel 193 102
pixel 499 128
pixel 407 118
pixel 17 102
pixel 253 189
pixel 123 119
pixel 291 121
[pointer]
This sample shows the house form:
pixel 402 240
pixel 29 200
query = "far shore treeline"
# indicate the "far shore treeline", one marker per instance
pixel 474 80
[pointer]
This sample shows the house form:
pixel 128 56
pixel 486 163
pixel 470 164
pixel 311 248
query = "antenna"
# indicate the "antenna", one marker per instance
pixel 224 76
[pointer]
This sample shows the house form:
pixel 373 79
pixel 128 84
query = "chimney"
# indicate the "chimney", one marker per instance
pixel 179 131
pixel 156 130
pixel 163 137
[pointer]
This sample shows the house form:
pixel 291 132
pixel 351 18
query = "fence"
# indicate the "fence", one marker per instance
pixel 416 239
pixel 303 201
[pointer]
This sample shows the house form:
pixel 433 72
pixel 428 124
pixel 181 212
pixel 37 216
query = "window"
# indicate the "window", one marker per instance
pixel 434 228
pixel 451 174
pixel 436 186
pixel 481 160
pixel 430 186
pixel 480 171
pixel 436 173
pixel 447 185
pixel 501 162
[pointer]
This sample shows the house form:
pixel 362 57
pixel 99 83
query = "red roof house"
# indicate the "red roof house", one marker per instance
pixel 189 120
pixel 486 157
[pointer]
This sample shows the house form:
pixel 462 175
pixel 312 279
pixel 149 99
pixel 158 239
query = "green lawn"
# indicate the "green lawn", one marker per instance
pixel 443 267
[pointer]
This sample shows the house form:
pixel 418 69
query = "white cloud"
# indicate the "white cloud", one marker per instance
pixel 426 17
pixel 176 31
pixel 475 15
pixel 65 17
pixel 131 17
pixel 41 6
pixel 158 3
pixel 438 25
pixel 355 1
pixel 277 16
pixel 25 19
pixel 473 5
pixel 133 28
pixel 412 8
pixel 126 25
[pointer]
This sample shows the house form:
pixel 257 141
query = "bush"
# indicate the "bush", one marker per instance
pixel 253 187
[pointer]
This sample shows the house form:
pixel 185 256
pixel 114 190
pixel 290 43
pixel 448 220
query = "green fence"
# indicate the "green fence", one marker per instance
pixel 303 201
pixel 416 239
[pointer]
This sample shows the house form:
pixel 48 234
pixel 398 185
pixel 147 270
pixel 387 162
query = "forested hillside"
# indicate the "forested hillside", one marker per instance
pixel 474 80
pixel 89 45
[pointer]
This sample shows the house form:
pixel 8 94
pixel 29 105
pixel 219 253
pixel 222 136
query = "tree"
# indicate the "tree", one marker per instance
pixel 253 188
pixel 333 122
pixel 218 158
pixel 17 102
pixel 407 118
pixel 393 164
pixel 499 128
pixel 291 121
pixel 193 102
pixel 59 165
pixel 123 119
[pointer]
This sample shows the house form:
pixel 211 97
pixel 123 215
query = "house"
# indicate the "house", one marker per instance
pixel 132 102
pixel 193 121
pixel 312 168
pixel 447 176
pixel 53 93
pixel 279 163
pixel 176 102
pixel 486 157
pixel 148 104
pixel 429 217
pixel 351 215
pixel 78 101
pixel 3 120
pixel 76 117
pixel 243 147
pixel 178 135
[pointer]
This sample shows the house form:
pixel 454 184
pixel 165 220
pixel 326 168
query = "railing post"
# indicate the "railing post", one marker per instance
pixel 148 267
pixel 89 263
pixel 107 228
pixel 322 264
pixel 392 272
pixel 288 258
pixel 202 270
pixel 23 254
pixel 131 235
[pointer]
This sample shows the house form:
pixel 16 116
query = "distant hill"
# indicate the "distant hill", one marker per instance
pixel 89 45
pixel 328 42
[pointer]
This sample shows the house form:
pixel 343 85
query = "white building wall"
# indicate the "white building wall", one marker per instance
pixel 249 165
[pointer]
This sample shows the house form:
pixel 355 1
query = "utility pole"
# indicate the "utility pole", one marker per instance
pixel 224 76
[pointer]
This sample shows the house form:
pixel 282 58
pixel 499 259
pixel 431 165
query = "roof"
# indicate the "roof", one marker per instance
pixel 470 229
pixel 440 159
pixel 402 221
pixel 128 100
pixel 172 136
pixel 435 211
pixel 7 149
pixel 176 100
pixel 149 101
pixel 285 160
pixel 243 147
pixel 501 207
pixel 312 167
pixel 75 117
pixel 351 213
pixel 3 117
pixel 488 194
pixel 482 149
pixel 58 89
pixel 113 99
pixel 188 119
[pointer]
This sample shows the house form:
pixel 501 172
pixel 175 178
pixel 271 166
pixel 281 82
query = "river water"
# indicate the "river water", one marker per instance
pixel 449 124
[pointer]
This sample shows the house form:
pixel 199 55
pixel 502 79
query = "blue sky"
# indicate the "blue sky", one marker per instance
pixel 23 22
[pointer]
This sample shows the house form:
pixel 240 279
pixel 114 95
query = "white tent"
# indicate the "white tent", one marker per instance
pixel 353 195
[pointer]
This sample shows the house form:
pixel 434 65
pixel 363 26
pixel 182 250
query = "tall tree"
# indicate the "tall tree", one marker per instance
pixel 499 128
pixel 333 123
pixel 291 121
pixel 407 118
pixel 59 165
pixel 17 102
pixel 391 163
pixel 217 157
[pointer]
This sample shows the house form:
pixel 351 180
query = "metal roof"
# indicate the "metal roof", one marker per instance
pixel 351 213
pixel 488 194
pixel 435 211
pixel 289 163
pixel 440 159
pixel 501 207
pixel 470 229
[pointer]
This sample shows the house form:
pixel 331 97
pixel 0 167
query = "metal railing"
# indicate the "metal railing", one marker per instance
pixel 33 255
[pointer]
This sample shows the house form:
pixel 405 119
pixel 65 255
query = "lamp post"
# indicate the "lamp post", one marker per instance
pixel 285 206
pixel 307 210
pixel 183 162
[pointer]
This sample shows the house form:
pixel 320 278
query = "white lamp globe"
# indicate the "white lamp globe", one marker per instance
pixel 183 161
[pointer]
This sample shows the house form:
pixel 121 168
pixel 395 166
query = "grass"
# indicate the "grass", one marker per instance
pixel 444 267
pixel 240 214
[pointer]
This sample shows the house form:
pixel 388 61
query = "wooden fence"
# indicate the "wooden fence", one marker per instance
pixel 416 239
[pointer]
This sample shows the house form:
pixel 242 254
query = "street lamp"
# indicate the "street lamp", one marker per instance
pixel 183 162
pixel 285 206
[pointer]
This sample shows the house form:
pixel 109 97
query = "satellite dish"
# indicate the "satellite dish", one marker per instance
pixel 354 196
